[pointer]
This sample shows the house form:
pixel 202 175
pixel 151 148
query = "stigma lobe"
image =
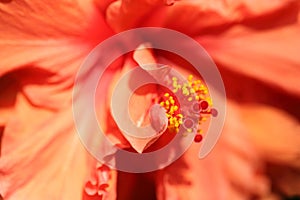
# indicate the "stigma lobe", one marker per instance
pixel 158 118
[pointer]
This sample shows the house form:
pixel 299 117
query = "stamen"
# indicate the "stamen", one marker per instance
pixel 204 105
pixel 198 138
pixel 214 112
pixel 193 90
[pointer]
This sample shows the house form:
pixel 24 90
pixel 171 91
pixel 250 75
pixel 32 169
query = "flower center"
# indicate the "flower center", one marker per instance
pixel 194 91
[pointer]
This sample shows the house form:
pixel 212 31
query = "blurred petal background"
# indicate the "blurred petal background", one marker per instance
pixel 255 45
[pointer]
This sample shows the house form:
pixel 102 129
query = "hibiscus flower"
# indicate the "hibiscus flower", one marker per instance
pixel 255 45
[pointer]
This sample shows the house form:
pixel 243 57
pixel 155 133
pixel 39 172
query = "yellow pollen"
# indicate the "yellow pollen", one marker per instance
pixel 200 131
pixel 175 108
pixel 191 89
pixel 167 102
pixel 172 101
pixel 185 91
pixel 179 115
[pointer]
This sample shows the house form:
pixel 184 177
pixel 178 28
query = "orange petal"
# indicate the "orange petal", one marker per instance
pixel 205 17
pixel 217 176
pixel 48 40
pixel 42 46
pixel 34 153
pixel 275 133
pixel 122 15
pixel 269 56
